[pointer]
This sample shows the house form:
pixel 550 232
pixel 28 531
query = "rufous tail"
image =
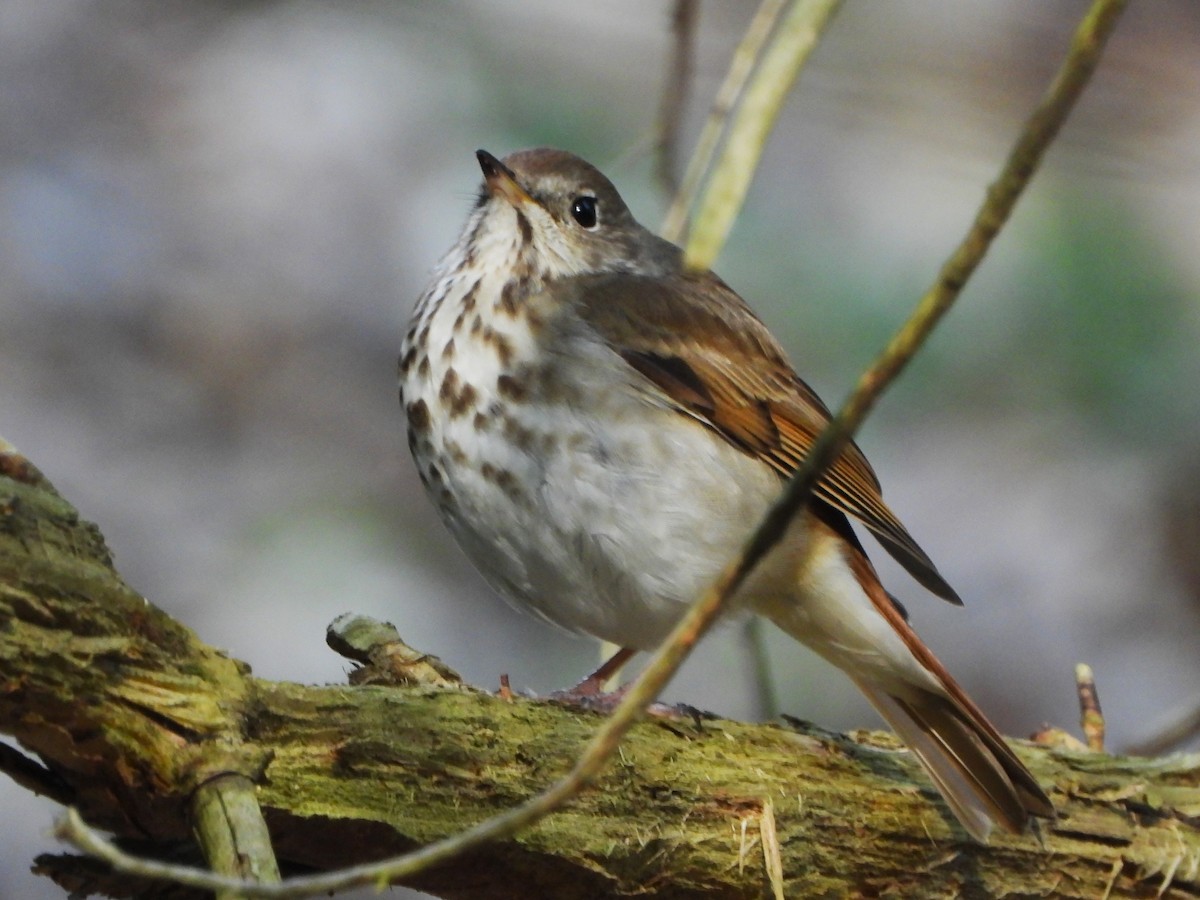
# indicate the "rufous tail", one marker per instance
pixel 982 780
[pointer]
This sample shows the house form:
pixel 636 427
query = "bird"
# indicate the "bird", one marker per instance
pixel 601 428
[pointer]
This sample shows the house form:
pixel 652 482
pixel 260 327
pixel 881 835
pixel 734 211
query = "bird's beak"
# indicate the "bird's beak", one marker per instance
pixel 501 182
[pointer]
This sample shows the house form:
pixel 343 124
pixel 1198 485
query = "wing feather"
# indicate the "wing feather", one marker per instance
pixel 699 343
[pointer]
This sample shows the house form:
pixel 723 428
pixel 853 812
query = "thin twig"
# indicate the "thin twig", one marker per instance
pixel 725 193
pixel 1041 128
pixel 745 57
pixel 1091 717
pixel 684 17
pixel 35 778
pixel 1081 60
pixel 762 673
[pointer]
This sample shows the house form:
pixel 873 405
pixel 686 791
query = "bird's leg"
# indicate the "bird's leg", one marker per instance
pixel 589 694
pixel 593 685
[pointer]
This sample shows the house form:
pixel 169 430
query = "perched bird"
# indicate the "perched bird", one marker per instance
pixel 601 429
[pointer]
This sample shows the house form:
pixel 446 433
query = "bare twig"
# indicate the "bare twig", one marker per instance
pixel 684 17
pixel 794 40
pixel 33 777
pixel 744 59
pixel 1022 162
pixel 1091 717
pixel 755 647
pixel 385 658
pixel 1081 60
pixel 1041 128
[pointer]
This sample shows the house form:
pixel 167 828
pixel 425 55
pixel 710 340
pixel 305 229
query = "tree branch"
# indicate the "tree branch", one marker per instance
pixel 133 713
pixel 231 831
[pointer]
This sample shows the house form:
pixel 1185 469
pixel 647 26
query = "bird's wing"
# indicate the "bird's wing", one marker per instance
pixel 698 342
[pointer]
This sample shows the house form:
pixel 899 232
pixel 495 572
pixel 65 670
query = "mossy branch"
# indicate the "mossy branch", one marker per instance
pixel 129 714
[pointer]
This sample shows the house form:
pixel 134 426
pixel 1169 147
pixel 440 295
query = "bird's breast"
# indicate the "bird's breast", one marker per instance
pixel 577 490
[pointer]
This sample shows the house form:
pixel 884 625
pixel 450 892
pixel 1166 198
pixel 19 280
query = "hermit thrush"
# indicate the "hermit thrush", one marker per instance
pixel 601 429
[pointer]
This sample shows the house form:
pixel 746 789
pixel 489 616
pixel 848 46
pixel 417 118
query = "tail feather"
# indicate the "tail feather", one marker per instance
pixel 865 634
pixel 980 777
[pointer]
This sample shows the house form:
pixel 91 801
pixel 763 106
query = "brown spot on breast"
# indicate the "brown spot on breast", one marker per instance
pixel 508 483
pixel 501 344
pixel 481 422
pixel 423 367
pixel 418 416
pixel 525 228
pixel 510 295
pixel 448 350
pixel 476 324
pixel 407 359
pixel 454 448
pixel 505 480
pixel 449 388
pixel 521 437
pixel 512 388
pixel 504 349
pixel 464 401
pixel 469 258
pixel 456 397
pixel 468 302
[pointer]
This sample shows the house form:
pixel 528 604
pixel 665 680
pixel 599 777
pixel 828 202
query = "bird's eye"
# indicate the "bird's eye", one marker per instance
pixel 583 210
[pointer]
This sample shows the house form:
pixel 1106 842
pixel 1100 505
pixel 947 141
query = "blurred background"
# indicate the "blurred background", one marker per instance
pixel 215 218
